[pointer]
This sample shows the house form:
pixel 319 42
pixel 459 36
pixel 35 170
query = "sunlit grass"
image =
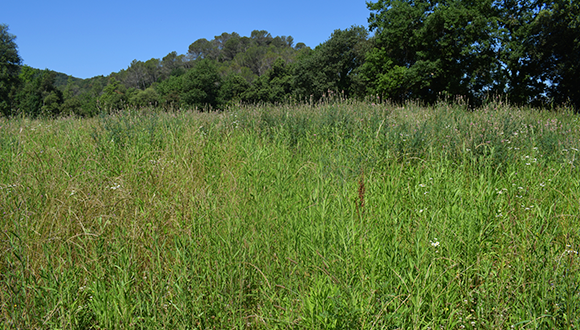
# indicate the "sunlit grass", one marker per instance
pixel 336 216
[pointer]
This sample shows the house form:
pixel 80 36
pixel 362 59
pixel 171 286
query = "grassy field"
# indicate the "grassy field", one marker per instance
pixel 342 215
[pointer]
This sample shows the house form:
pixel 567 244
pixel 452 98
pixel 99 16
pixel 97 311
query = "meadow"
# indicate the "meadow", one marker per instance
pixel 337 215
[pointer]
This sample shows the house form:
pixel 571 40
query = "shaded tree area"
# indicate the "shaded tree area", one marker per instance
pixel 424 49
pixel 334 66
pixel 9 68
pixel 554 48
pixel 526 51
pixel 275 86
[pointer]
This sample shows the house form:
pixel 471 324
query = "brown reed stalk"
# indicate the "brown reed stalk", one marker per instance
pixel 361 193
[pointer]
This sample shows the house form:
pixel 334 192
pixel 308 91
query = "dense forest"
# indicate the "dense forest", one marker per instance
pixel 525 51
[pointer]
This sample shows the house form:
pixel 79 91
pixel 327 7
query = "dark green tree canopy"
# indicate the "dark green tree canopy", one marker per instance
pixel 114 96
pixel 201 86
pixel 554 47
pixel 272 87
pixel 423 48
pixel 524 49
pixel 9 68
pixel 333 65
pixel 201 49
pixel 39 96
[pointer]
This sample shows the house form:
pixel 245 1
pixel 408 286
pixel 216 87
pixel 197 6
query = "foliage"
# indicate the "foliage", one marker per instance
pixel 144 98
pixel 201 86
pixel 233 87
pixel 333 66
pixel 526 50
pixel 113 97
pixel 272 87
pixel 169 90
pixel 555 49
pixel 39 96
pixel 425 48
pixel 9 69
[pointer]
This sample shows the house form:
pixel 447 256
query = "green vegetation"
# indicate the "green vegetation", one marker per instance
pixel 335 215
pixel 524 51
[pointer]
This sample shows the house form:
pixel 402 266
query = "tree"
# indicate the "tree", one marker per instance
pixel 300 46
pixel 554 48
pixel 252 59
pixel 9 68
pixel 226 46
pixel 172 65
pixel 202 48
pixel 169 90
pixel 39 96
pixel 261 37
pixel 333 65
pixel 71 104
pixel 233 88
pixel 201 85
pixel 423 48
pixel 273 87
pixel 520 73
pixel 136 75
pixel 144 98
pixel 113 97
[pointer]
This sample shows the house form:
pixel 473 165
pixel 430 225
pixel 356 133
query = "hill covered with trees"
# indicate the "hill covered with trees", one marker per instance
pixel 525 51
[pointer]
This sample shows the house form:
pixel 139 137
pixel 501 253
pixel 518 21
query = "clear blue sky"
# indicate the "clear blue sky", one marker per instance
pixel 88 38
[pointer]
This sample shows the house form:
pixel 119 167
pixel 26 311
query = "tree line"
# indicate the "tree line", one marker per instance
pixel 527 51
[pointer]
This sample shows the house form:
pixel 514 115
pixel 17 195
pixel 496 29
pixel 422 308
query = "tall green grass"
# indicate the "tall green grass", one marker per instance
pixel 342 215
